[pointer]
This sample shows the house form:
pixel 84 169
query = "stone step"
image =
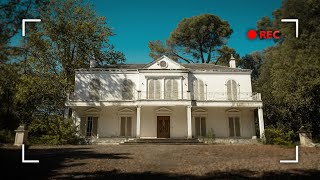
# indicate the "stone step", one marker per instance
pixel 162 141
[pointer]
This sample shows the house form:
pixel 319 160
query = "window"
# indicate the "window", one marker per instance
pixel 94 88
pixel 232 90
pixel 125 126
pixel 154 89
pixel 234 126
pixel 127 89
pixel 91 129
pixel 171 89
pixel 200 126
pixel 198 89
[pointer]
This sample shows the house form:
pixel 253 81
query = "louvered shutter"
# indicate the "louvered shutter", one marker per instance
pixel 174 89
pixel 95 126
pixel 168 89
pixel 83 123
pixel 151 89
pixel 234 90
pixel 229 94
pixel 157 85
pixel 201 89
pixel 203 126
pixel 195 90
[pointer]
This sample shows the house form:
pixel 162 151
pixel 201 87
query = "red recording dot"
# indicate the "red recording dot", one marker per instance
pixel 252 34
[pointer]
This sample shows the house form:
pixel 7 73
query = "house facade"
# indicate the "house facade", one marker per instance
pixel 165 99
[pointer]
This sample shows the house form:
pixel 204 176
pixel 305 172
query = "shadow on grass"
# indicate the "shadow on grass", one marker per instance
pixel 51 160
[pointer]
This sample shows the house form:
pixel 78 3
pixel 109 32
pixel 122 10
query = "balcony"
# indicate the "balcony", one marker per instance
pixel 165 96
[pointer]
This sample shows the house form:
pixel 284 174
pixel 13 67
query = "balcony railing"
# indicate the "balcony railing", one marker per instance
pixel 165 95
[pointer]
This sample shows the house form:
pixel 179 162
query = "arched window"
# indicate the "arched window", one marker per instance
pixel 232 90
pixel 154 88
pixel 94 89
pixel 198 89
pixel 171 89
pixel 127 89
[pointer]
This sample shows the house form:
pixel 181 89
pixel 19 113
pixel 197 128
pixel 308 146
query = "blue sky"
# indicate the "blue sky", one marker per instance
pixel 136 22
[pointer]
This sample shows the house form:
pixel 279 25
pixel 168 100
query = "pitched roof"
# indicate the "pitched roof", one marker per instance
pixel 191 67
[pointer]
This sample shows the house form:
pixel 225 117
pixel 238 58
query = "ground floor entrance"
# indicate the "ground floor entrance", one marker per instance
pixel 163 126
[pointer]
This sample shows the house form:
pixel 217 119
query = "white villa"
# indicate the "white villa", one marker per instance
pixel 165 99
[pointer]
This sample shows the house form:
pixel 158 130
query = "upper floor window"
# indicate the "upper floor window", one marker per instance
pixel 154 89
pixel 232 90
pixel 94 89
pixel 127 89
pixel 171 89
pixel 198 89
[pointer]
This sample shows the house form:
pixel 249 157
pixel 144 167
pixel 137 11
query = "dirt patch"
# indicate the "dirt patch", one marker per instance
pixel 161 161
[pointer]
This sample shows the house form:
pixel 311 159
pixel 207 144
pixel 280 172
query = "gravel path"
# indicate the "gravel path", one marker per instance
pixel 161 162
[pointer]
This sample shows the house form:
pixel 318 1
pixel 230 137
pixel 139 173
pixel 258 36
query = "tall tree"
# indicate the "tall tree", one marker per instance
pixel 195 39
pixel 290 76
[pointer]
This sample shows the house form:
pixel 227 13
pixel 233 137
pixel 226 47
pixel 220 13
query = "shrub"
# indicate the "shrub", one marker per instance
pixel 278 136
pixel 53 131
pixel 7 136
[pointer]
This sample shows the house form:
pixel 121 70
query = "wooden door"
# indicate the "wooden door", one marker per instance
pixel 163 126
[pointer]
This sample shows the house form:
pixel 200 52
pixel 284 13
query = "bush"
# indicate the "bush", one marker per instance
pixel 53 131
pixel 278 136
pixel 7 136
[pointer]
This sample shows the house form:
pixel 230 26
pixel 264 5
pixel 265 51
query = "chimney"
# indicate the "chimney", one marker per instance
pixel 93 62
pixel 232 62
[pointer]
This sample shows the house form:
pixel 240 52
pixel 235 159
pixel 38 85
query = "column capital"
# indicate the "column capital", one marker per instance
pixel 138 106
pixel 189 107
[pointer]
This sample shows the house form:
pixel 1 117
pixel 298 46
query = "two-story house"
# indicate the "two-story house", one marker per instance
pixel 165 99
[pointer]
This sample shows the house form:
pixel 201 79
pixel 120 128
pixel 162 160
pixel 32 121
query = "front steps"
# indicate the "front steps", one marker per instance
pixel 167 141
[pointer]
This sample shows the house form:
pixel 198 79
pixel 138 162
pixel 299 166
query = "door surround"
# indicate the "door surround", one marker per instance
pixel 163 124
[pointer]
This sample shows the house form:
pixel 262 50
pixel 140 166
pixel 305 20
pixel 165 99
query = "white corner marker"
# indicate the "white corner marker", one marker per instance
pixel 24 24
pixel 292 161
pixel 27 161
pixel 295 21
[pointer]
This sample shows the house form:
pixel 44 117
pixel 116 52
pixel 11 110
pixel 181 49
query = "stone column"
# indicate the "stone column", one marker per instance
pixel 138 121
pixel 189 121
pixel 21 135
pixel 261 122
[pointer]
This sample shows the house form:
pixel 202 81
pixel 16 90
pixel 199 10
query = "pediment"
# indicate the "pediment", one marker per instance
pixel 164 63
pixel 126 111
pixel 200 110
pixel 233 110
pixel 163 110
pixel 92 110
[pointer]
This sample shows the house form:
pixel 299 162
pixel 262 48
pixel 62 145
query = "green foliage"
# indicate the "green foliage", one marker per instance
pixel 210 134
pixel 196 38
pixel 290 77
pixel 279 137
pixel 54 131
pixel 7 136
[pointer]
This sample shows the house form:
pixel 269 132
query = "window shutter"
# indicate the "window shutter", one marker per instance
pixel 168 89
pixel 201 90
pixel 231 127
pixel 203 126
pixel 234 90
pixel 123 126
pixel 83 126
pixel 197 126
pixel 127 89
pixel 151 89
pixel 157 94
pixel 129 124
pixel 195 89
pixel 237 126
pixel 174 89
pixel 229 96
pixel 95 126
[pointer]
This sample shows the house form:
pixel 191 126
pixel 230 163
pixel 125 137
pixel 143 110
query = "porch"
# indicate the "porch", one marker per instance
pixel 167 122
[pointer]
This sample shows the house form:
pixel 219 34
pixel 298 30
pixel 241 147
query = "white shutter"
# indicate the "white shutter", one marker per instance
pixel 229 93
pixel 195 89
pixel 201 89
pixel 174 89
pixel 157 85
pixel 168 89
pixel 151 89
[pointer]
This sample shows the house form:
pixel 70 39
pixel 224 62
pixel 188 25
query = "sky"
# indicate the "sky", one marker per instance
pixel 136 22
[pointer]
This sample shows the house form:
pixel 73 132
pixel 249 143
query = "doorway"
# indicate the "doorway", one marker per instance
pixel 163 126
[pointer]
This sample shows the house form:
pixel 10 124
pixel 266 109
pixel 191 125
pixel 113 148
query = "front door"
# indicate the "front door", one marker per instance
pixel 163 126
